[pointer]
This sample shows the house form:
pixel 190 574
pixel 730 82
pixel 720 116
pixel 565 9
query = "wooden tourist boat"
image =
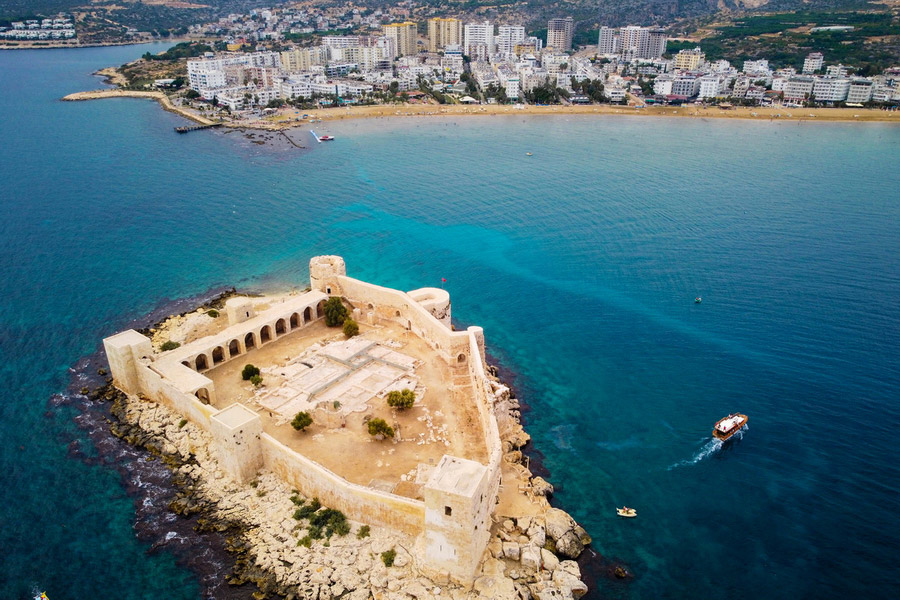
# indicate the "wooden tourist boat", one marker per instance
pixel 730 425
pixel 626 512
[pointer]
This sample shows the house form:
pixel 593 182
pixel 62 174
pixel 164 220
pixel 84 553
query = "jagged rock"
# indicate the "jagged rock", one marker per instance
pixel 569 545
pixel 549 560
pixel 513 457
pixel 558 523
pixel 569 583
pixel 495 547
pixel 531 558
pixel 537 534
pixel 582 534
pixel 541 487
pixel 511 550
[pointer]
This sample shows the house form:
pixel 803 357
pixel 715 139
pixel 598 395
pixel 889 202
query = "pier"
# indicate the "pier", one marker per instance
pixel 186 128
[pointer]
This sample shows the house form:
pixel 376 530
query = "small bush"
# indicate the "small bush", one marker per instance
pixel 315 532
pixel 213 313
pixel 306 511
pixel 380 427
pixel 249 371
pixel 256 380
pixel 169 345
pixel 401 400
pixel 335 312
pixel 351 328
pixel 332 521
pixel 388 556
pixel 363 532
pixel 182 423
pixel 305 541
pixel 301 421
pixel 261 493
pixel 297 500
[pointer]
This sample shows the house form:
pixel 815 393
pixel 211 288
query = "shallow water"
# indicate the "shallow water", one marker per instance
pixel 581 262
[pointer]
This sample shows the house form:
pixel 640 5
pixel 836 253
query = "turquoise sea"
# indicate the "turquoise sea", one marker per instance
pixel 581 262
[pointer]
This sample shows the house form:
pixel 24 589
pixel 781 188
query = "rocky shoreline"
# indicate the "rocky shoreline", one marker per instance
pixel 273 546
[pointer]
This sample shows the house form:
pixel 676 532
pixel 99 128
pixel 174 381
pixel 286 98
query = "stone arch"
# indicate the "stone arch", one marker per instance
pixel 218 355
pixel 295 321
pixel 234 348
pixel 461 358
pixel 280 327
pixel 265 335
pixel 187 364
pixel 371 306
pixel 202 395
pixel 307 314
pixel 201 362
pixel 249 341
pixel 396 313
pixel 320 309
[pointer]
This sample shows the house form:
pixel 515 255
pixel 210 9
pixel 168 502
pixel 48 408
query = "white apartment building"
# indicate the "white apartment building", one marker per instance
pixel 831 89
pixel 640 42
pixel 508 37
pixel 608 41
pixel 662 85
pixel 560 33
pixel 798 88
pixel 836 71
pixel 479 40
pixel 860 91
pixel 756 66
pixel 686 85
pixel 710 86
pixel 813 63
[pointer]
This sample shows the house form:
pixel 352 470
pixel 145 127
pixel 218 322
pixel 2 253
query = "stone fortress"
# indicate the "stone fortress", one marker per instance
pixel 440 480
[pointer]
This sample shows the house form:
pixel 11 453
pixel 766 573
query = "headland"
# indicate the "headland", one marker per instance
pixel 437 501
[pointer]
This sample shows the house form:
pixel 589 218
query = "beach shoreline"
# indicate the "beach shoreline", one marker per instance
pixel 280 123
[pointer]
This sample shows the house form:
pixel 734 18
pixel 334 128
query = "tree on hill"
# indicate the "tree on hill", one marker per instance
pixel 301 421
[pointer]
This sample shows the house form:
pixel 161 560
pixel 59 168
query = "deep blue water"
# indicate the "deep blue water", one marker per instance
pixel 581 262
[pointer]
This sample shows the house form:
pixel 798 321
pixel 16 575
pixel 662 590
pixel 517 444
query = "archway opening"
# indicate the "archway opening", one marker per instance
pixel 234 348
pixel 265 334
pixel 202 395
pixel 461 358
pixel 307 314
pixel 187 364
pixel 295 321
pixel 320 309
pixel 280 327
pixel 218 354
pixel 201 362
pixel 249 342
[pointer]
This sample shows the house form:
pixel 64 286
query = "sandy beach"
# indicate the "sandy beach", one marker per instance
pixel 286 118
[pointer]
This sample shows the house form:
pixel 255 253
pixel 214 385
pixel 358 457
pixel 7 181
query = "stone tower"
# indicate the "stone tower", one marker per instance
pixel 324 272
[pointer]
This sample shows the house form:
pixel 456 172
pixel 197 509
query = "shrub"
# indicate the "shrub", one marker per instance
pixel 315 532
pixel 335 312
pixel 249 371
pixel 256 380
pixel 301 421
pixel 212 313
pixel 401 400
pixel 306 511
pixel 297 500
pixel 305 541
pixel 182 423
pixel 388 556
pixel 351 328
pixel 332 521
pixel 169 345
pixel 380 427
pixel 363 532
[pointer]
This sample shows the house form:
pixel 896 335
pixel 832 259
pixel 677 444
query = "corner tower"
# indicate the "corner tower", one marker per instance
pixel 324 272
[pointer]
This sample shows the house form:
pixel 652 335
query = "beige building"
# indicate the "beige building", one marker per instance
pixel 559 33
pixel 404 35
pixel 689 60
pixel 443 32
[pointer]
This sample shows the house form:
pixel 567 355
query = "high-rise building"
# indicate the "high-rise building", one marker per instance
pixel 479 40
pixel 559 33
pixel 608 42
pixel 508 37
pixel 404 35
pixel 689 60
pixel 813 62
pixel 443 32
pixel 656 43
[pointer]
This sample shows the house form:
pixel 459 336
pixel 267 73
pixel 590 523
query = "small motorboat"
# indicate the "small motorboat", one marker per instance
pixel 528 154
pixel 326 138
pixel 626 512
pixel 698 300
pixel 730 425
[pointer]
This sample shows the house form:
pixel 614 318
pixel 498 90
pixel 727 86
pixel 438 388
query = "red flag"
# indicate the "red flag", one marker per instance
pixel 444 279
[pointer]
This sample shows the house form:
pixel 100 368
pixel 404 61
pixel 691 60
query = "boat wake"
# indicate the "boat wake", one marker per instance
pixel 710 448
